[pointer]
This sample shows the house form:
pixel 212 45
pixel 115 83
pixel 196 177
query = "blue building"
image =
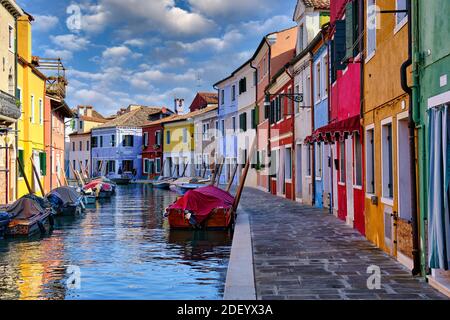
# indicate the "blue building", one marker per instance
pixel 227 126
pixel 116 146
pixel 323 167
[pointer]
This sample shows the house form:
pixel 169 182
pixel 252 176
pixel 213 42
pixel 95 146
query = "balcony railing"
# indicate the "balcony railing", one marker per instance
pixel 9 107
pixel 56 76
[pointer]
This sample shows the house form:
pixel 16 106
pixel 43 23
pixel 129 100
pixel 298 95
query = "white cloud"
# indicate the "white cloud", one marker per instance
pixel 70 42
pixel 119 54
pixel 63 54
pixel 44 22
pixel 275 23
pixel 230 8
pixel 135 43
pixel 214 44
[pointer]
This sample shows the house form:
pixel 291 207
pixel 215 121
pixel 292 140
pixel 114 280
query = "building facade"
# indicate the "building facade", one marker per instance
pixel 205 140
pixel 10 111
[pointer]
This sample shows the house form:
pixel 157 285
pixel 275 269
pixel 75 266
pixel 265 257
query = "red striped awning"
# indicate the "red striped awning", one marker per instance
pixel 335 131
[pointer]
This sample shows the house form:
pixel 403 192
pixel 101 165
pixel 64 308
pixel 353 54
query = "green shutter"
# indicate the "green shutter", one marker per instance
pixel 339 45
pixel 43 163
pixel 21 161
pixel 349 32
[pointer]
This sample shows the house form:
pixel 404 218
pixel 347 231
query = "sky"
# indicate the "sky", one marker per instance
pixel 147 52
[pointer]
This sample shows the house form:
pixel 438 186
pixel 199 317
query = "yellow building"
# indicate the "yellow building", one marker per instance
pixel 387 156
pixel 31 92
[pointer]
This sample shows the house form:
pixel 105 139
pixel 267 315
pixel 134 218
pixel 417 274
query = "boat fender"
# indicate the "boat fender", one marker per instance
pixel 41 227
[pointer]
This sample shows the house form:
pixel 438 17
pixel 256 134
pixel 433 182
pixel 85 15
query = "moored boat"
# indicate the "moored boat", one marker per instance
pixel 121 179
pixel 27 216
pixel 203 208
pixel 99 189
pixel 65 201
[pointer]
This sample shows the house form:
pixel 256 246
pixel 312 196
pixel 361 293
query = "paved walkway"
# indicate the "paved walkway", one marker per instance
pixel 300 252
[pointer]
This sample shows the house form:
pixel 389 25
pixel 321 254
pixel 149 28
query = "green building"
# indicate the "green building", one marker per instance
pixel 431 104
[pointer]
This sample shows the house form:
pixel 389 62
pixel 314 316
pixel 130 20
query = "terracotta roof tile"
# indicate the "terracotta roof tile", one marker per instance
pixel 210 97
pixel 318 4
pixel 134 118
pixel 176 117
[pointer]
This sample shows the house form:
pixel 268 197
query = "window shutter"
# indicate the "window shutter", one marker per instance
pixel 339 45
pixel 244 85
pixel 349 32
pixel 43 163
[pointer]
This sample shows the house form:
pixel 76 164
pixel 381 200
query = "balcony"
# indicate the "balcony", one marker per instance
pixel 56 76
pixel 9 108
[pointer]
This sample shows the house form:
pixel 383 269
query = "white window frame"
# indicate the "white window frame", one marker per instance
pixel 319 162
pixel 399 24
pixel 41 112
pixel 386 199
pixel 11 38
pixel 355 185
pixel 32 119
pixel 370 165
pixel 325 64
pixel 145 139
pixel 317 82
pixel 158 160
pixel 370 54
pixel 288 168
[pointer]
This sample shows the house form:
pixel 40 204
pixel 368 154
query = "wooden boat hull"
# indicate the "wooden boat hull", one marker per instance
pixel 219 219
pixel 24 228
pixel 69 210
pixel 162 185
pixel 89 199
pixel 105 194
pixel 121 181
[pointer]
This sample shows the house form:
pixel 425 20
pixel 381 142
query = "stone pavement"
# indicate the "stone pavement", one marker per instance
pixel 300 252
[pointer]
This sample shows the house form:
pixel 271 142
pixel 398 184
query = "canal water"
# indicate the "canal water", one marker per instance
pixel 120 248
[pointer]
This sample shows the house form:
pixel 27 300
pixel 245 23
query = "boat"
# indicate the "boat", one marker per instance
pixel 99 189
pixel 27 216
pixel 207 207
pixel 163 183
pixel 65 201
pixel 89 199
pixel 121 179
pixel 183 188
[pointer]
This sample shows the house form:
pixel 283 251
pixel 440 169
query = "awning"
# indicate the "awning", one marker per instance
pixel 336 131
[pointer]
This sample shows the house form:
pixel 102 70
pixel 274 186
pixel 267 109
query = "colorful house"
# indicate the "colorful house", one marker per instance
pixel 152 150
pixel 431 104
pixel 9 109
pixel 226 126
pixel 274 52
pixel 203 100
pixel 344 130
pixel 281 124
pixel 310 16
pixel 386 134
pixel 31 85
pixel 117 144
pixel 79 147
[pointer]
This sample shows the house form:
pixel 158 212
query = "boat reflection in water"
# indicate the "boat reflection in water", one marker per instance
pixel 123 248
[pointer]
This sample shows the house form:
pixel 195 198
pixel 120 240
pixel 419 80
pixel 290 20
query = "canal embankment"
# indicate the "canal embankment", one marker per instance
pixel 300 252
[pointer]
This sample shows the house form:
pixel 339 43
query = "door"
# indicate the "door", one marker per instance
pixel 342 178
pixel 349 181
pixel 298 172
pixel 36 162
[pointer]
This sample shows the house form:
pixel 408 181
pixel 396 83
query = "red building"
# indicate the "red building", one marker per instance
pixel 152 149
pixel 345 101
pixel 281 137
pixel 203 100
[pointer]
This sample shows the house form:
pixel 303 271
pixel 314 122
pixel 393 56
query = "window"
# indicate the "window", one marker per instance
pixel 113 140
pixel 243 121
pixel 94 142
pixel 19 96
pixel 242 85
pixel 87 145
pixel 73 146
pixel 127 165
pixel 205 131
pixel 10 38
pixel 111 166
pixel 358 158
pixel 101 141
pixel 255 78
pixel 319 159
pixel 145 139
pixel 326 76
pixel 318 83
pixel 21 156
pixel 351 29
pixel 400 17
pixel 233 92
pixel 264 67
pixel 370 162
pixel 158 165
pixel 222 96
pixel 41 112
pixel 74 164
pixel 81 124
pixel 185 134
pixel 81 145
pixel 387 167
pixel 128 141
pixel 371 21
pixel 158 137
pixel 223 127
pixel 288 164
pixel 43 163
pixel 147 166
pixel 342 162
pixel 216 133
pixel 233 123
pixel 167 137
pixel 254 119
pixel 301 34
pixel 32 109
pixel 308 160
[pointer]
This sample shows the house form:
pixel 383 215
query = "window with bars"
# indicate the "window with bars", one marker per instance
pixel 357 146
pixel 342 171
pixel 387 161
pixel 370 161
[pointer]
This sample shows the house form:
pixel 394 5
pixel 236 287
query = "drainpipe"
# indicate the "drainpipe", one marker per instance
pixel 269 151
pixel 16 126
pixel 293 148
pixel 412 158
pixel 313 154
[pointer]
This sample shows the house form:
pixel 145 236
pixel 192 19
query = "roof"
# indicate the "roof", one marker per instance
pixel 134 118
pixel 76 133
pixel 182 117
pixel 209 97
pixel 316 4
pixel 94 119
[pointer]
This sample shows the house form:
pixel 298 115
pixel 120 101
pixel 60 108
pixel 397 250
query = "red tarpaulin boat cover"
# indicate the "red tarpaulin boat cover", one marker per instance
pixel 334 131
pixel 202 201
pixel 93 185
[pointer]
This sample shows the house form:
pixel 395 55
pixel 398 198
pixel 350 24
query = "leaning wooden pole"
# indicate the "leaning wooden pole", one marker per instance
pixel 230 183
pixel 184 170
pixel 30 190
pixel 220 172
pixel 59 181
pixel 204 171
pixel 240 188
pixel 213 179
pixel 36 175
pixel 75 173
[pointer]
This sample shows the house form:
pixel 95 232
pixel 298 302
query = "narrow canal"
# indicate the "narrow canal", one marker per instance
pixel 121 248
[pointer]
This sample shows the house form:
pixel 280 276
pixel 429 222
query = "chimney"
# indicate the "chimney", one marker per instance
pixel 89 111
pixel 179 106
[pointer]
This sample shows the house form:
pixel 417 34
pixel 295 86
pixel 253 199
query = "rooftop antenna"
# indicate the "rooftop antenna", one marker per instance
pixel 199 80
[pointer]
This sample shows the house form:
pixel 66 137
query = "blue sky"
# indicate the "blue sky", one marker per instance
pixel 123 52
